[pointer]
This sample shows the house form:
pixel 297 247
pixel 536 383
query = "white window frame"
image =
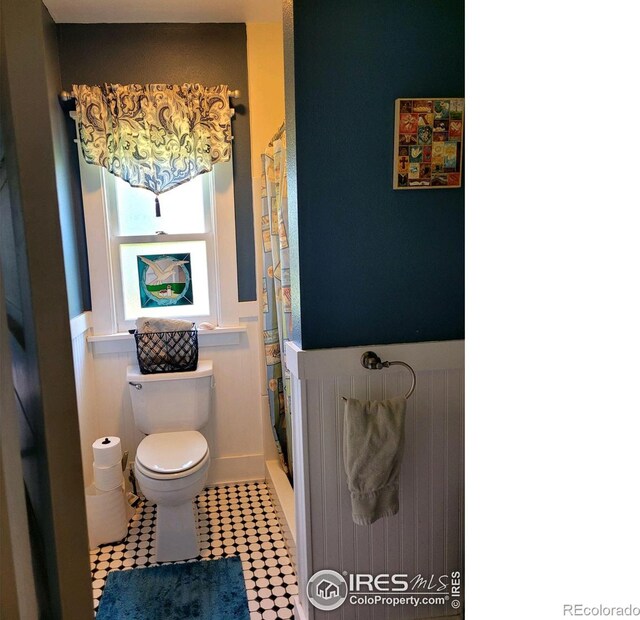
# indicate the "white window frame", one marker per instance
pixel 116 240
pixel 103 251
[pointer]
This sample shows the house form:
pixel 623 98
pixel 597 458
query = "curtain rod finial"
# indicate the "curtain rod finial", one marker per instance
pixel 234 93
pixel 65 95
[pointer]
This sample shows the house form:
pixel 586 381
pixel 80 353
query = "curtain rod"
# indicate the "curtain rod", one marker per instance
pixel 278 134
pixel 65 95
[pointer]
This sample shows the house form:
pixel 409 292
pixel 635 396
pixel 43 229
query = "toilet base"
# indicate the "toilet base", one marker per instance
pixel 176 535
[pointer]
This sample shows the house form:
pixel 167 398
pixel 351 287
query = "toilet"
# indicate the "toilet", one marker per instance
pixel 172 461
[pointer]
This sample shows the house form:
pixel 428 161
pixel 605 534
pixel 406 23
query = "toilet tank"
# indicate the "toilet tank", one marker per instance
pixel 171 401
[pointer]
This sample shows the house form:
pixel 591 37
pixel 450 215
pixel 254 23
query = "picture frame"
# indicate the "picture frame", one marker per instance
pixel 428 143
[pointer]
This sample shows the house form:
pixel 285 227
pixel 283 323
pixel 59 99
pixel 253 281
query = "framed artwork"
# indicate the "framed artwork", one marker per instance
pixel 177 285
pixel 428 143
pixel 165 280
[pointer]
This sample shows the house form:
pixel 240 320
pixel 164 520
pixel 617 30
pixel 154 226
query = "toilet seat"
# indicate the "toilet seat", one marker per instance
pixel 172 455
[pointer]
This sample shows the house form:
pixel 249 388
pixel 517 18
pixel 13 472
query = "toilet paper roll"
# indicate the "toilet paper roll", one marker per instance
pixel 107 451
pixel 107 478
pixel 106 515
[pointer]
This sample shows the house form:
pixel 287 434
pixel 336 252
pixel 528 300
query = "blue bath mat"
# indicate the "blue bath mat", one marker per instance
pixel 206 590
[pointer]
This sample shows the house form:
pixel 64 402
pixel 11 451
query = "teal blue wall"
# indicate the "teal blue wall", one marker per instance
pixel 374 265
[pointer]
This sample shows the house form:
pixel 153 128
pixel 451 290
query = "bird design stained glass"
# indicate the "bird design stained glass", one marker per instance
pixel 165 280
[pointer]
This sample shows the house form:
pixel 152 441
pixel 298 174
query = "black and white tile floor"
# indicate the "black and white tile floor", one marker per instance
pixel 232 520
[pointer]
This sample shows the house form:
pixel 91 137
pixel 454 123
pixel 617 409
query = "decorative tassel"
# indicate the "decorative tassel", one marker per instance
pixel 157 207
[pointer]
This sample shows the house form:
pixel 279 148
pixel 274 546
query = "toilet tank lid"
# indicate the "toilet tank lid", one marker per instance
pixel 204 369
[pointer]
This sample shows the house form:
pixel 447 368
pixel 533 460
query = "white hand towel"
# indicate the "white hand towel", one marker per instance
pixel 372 450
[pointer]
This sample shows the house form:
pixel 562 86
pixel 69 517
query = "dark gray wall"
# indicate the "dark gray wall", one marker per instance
pixel 174 53
pixel 74 242
pixel 374 265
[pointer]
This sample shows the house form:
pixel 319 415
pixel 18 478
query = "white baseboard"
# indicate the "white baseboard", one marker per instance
pixel 281 488
pixel 245 468
pixel 283 501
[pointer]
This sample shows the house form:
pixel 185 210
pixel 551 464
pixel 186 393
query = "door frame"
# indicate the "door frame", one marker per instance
pixel 42 379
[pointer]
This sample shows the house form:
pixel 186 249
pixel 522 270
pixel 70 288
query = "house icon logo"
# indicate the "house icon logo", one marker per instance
pixel 327 590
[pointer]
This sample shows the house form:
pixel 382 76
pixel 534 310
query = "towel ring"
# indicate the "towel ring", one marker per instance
pixel 371 361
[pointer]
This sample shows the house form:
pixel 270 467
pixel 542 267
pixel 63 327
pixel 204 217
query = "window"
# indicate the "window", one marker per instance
pixel 161 264
pixel 182 264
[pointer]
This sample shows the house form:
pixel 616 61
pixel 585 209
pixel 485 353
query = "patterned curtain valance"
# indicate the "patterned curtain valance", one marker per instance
pixel 155 136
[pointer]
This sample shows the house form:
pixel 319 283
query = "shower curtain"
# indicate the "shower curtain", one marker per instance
pixel 276 292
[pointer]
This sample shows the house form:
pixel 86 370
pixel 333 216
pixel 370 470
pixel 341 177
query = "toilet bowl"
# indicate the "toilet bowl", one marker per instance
pixel 172 461
pixel 171 469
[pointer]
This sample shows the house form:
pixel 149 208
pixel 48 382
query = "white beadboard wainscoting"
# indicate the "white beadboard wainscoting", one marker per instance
pixel 426 536
pixel 85 391
pixel 234 431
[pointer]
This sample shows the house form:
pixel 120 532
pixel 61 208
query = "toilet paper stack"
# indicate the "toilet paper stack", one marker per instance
pixel 107 468
pixel 106 506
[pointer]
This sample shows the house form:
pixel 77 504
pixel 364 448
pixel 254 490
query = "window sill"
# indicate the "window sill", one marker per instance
pixel 124 342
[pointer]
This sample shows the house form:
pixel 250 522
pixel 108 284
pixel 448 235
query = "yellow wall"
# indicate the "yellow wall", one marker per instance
pixel 265 64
